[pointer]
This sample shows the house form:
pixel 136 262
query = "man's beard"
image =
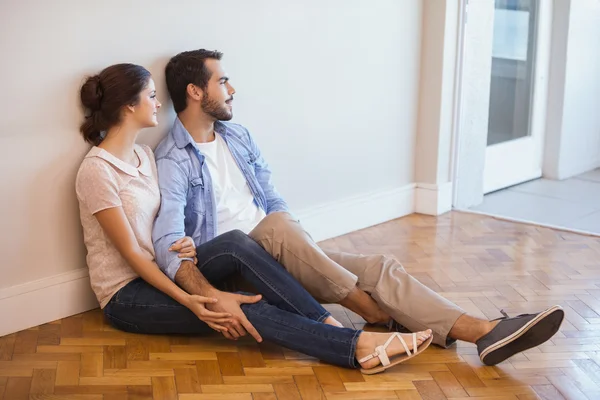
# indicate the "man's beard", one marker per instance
pixel 215 110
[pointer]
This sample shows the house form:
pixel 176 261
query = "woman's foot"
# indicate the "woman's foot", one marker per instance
pixel 368 341
pixel 333 322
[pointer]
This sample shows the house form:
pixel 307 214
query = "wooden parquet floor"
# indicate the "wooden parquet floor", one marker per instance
pixel 480 263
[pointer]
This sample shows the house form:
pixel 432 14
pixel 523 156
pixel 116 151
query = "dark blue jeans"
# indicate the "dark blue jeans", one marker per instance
pixel 288 315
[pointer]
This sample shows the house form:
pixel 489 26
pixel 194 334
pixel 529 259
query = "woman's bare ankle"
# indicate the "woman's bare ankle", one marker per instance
pixel 333 322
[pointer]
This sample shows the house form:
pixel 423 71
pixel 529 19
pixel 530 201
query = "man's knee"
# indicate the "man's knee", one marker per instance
pixel 382 264
pixel 235 240
pixel 379 270
pixel 274 222
pixel 278 220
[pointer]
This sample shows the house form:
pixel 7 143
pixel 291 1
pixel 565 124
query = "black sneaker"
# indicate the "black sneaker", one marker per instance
pixel 514 335
pixel 394 326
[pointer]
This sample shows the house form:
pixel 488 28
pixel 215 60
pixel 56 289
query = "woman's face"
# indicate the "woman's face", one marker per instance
pixel 146 111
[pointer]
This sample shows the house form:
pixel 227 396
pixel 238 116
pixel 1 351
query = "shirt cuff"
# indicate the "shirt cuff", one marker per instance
pixel 174 265
pixel 280 208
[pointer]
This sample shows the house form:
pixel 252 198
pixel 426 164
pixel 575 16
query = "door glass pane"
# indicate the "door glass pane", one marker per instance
pixel 513 53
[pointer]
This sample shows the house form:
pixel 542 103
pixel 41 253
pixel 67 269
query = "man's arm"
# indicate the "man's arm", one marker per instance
pixel 190 278
pixel 263 174
pixel 168 228
pixel 169 225
pixel 192 281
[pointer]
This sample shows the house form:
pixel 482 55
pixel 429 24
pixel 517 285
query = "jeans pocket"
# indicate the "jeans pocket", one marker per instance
pixel 121 325
pixel 127 294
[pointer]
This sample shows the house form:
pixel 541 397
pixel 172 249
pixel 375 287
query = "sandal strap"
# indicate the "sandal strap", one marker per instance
pixel 406 349
pixel 383 356
pixel 401 339
pixel 381 351
pixel 367 358
pixel 389 340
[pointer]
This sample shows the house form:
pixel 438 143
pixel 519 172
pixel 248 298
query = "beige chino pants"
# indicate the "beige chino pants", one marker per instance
pixel 330 276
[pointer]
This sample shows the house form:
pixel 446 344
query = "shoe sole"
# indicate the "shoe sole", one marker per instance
pixel 532 334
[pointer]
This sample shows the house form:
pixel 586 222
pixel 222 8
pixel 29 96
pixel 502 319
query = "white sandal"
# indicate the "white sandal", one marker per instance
pixel 381 352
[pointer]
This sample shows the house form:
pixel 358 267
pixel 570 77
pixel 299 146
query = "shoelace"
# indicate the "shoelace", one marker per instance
pixel 507 317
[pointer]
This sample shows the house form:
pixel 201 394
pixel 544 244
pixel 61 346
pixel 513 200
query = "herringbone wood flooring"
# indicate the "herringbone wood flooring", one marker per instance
pixel 480 263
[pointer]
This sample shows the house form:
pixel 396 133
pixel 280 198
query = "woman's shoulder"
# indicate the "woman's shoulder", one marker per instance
pixel 150 162
pixel 94 161
pixel 94 169
pixel 147 150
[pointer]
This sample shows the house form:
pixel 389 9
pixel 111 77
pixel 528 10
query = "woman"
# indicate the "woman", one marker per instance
pixel 119 198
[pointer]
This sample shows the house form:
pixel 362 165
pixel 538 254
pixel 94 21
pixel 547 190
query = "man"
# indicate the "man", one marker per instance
pixel 213 179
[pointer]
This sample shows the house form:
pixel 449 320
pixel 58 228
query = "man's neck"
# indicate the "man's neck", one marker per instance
pixel 201 127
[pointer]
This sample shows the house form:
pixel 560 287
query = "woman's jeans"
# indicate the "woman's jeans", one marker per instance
pixel 287 315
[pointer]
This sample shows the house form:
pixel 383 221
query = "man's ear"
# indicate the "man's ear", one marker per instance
pixel 194 92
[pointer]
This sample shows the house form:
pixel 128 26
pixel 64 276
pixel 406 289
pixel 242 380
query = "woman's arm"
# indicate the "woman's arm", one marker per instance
pixel 116 226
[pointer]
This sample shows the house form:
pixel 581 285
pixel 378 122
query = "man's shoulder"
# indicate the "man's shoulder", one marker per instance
pixel 167 149
pixel 236 129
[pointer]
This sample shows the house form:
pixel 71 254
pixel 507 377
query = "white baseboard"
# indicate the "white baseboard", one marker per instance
pixel 45 300
pixel 433 199
pixel 343 216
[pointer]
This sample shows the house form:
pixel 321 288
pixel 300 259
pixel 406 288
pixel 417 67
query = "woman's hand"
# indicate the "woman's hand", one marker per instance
pixel 186 248
pixel 197 304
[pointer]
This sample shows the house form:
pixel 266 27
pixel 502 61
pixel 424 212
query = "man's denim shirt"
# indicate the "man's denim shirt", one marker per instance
pixel 188 205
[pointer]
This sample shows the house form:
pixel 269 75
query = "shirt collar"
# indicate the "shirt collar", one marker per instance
pixel 145 168
pixel 182 137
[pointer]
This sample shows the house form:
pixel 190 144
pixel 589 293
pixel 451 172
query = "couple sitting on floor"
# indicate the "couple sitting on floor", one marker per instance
pixel 165 231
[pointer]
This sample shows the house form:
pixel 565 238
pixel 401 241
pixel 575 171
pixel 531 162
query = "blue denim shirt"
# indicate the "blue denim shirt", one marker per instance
pixel 188 206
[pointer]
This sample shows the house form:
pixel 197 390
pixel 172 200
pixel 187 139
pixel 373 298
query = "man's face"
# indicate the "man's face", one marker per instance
pixel 217 99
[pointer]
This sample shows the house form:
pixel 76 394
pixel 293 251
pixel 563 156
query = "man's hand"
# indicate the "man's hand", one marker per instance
pixel 223 311
pixel 216 320
pixel 186 248
pixel 229 303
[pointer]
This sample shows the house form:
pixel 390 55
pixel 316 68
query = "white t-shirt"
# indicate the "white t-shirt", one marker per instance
pixel 236 208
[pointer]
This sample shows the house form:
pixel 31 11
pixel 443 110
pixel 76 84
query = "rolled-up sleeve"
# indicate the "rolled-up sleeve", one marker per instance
pixel 170 221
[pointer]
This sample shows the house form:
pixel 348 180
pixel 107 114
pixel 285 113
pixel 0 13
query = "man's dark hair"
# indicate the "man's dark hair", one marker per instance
pixel 185 68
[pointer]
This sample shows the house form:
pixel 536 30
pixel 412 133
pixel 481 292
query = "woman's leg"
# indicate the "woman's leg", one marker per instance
pixel 235 252
pixel 141 308
pixel 335 345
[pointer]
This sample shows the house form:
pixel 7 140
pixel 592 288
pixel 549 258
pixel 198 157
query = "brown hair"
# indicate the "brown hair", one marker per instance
pixel 104 96
pixel 185 68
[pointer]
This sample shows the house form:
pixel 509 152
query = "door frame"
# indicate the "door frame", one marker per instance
pixel 468 151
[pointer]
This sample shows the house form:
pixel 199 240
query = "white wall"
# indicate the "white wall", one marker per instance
pixel 573 125
pixel 329 89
